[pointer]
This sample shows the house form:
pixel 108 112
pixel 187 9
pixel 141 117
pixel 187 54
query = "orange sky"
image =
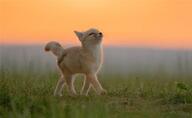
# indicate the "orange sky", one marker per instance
pixel 153 23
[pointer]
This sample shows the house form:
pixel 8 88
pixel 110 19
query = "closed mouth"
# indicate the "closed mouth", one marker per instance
pixel 98 37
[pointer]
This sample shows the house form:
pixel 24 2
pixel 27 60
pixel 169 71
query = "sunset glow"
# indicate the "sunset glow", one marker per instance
pixel 150 23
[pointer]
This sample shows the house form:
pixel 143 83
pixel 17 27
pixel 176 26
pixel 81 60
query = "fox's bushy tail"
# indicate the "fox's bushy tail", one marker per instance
pixel 55 48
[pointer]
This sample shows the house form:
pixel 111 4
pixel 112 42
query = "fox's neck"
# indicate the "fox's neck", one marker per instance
pixel 94 50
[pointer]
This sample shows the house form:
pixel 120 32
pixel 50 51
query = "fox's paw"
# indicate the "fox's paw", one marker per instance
pixel 59 95
pixel 103 92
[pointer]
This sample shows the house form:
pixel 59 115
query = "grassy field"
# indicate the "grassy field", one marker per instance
pixel 29 94
pixel 151 85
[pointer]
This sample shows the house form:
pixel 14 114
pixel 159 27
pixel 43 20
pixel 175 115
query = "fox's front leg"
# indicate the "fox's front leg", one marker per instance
pixel 96 84
pixel 86 86
pixel 70 80
pixel 59 87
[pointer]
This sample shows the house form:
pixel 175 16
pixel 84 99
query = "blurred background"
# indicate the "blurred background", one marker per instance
pixel 120 61
pixel 141 37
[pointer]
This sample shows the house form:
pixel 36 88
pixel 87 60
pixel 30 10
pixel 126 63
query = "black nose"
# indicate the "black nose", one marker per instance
pixel 101 34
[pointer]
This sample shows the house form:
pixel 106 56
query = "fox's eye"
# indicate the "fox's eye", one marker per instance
pixel 91 33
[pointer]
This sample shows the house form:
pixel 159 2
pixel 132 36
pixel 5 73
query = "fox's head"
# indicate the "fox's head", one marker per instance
pixel 90 37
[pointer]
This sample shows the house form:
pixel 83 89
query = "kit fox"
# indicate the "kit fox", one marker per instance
pixel 85 59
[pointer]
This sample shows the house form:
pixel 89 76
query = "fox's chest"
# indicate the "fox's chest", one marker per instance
pixel 92 60
pixel 97 57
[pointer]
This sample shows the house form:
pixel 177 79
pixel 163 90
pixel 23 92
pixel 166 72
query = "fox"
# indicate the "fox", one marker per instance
pixel 85 59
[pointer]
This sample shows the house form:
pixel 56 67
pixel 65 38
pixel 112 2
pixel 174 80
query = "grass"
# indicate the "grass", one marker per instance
pixel 29 94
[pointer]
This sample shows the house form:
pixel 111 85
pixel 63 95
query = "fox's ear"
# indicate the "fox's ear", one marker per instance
pixel 79 34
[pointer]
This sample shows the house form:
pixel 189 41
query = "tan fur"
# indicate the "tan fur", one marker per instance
pixel 86 59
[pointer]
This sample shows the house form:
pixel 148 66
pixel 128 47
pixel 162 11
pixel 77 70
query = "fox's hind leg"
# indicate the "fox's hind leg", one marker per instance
pixel 96 84
pixel 86 87
pixel 70 80
pixel 59 87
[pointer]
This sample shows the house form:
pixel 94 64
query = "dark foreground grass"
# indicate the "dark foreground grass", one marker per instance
pixel 29 95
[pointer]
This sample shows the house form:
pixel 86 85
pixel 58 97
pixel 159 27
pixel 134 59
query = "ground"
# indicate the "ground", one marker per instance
pixel 30 95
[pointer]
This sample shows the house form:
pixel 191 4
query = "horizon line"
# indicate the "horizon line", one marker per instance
pixel 104 45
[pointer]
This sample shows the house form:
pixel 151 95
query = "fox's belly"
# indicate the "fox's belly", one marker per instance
pixel 82 68
pixel 78 66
